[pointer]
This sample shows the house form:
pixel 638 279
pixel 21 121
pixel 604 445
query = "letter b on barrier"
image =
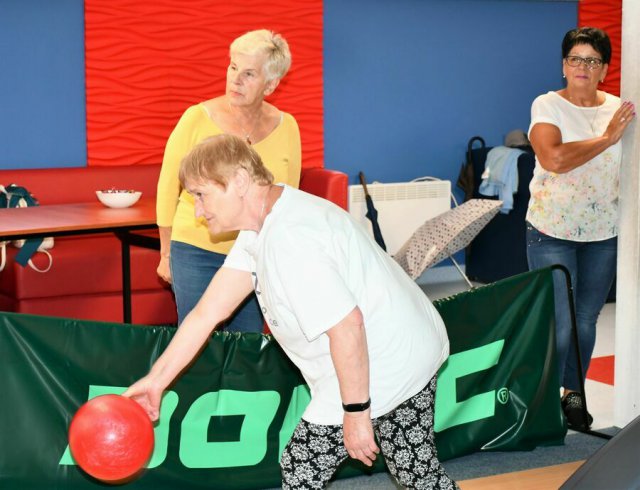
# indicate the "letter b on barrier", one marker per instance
pixel 161 429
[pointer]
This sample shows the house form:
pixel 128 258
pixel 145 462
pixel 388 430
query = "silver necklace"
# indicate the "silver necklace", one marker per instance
pixel 591 122
pixel 264 205
pixel 247 134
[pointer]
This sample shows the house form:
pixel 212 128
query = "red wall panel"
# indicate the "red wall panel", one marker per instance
pixel 607 15
pixel 148 60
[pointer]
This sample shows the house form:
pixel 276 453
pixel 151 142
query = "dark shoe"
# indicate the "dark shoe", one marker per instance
pixel 573 410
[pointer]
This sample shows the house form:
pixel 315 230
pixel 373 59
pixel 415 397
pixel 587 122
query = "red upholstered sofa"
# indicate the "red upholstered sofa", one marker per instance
pixel 85 280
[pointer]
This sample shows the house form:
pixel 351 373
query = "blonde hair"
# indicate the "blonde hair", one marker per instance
pixel 269 43
pixel 218 158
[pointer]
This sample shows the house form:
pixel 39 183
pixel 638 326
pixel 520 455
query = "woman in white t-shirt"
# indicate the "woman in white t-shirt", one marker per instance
pixel 365 337
pixel 572 219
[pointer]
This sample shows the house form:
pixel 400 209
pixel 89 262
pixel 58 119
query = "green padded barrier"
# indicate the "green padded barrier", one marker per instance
pixel 225 422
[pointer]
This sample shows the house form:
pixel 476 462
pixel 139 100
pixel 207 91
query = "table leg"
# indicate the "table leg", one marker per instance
pixel 126 240
pixel 126 277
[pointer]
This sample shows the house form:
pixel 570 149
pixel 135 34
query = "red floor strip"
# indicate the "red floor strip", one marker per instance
pixel 601 369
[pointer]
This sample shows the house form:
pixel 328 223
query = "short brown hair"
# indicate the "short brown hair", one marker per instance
pixel 218 158
pixel 594 37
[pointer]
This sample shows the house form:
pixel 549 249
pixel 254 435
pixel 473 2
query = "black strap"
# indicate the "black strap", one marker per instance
pixel 470 146
pixel 357 407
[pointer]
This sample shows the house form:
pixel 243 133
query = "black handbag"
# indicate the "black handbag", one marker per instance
pixel 466 177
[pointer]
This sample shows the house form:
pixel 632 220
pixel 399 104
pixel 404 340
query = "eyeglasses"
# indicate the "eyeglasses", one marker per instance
pixel 591 63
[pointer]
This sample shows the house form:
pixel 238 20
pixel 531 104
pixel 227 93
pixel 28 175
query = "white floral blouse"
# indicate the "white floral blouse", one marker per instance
pixel 580 205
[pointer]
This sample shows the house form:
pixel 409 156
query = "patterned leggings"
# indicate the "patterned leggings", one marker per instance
pixel 406 440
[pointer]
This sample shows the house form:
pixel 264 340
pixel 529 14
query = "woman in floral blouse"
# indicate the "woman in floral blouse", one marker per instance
pixel 572 218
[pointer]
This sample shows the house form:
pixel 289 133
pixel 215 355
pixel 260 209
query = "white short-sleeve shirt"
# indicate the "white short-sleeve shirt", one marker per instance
pixel 582 204
pixel 312 265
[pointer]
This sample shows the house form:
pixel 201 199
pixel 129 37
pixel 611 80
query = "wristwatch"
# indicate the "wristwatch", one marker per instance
pixel 356 407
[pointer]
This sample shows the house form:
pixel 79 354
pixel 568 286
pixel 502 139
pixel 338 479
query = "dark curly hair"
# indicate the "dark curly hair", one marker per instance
pixel 594 37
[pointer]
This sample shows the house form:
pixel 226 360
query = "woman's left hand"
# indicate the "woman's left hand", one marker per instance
pixel 358 437
pixel 619 122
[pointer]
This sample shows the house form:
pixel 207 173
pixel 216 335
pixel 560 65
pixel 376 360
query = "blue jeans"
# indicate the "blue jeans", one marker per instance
pixel 191 271
pixel 592 266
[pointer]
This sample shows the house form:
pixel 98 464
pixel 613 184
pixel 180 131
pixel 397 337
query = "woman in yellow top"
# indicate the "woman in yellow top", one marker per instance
pixel 189 254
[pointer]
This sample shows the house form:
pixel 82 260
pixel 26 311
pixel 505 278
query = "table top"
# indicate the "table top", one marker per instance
pixel 78 218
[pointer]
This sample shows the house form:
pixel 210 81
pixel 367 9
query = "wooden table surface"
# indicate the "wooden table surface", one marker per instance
pixel 82 219
pixel 77 218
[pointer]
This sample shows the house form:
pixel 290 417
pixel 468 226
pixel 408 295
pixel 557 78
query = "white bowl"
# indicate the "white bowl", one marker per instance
pixel 118 198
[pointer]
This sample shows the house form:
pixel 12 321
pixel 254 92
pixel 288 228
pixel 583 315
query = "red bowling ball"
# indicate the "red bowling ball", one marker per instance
pixel 111 437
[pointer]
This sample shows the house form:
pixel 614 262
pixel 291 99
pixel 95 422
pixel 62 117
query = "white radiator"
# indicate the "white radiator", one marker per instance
pixel 402 207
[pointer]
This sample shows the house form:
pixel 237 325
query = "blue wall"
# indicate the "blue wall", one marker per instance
pixel 408 82
pixel 42 104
